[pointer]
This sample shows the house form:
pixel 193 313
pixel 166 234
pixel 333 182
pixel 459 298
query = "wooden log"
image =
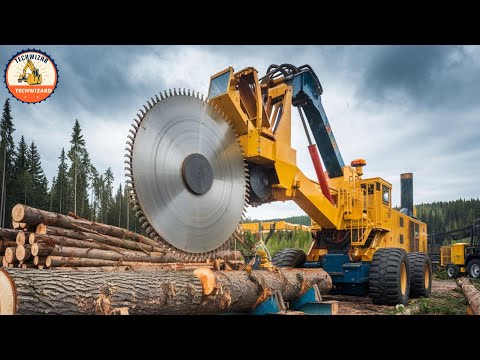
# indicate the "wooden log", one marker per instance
pixel 41 228
pixel 39 260
pixel 4 262
pixel 33 216
pixel 98 292
pixel 58 261
pixel 42 249
pixel 148 291
pixel 472 294
pixel 8 234
pixel 101 239
pixel 238 291
pixel 6 243
pixel 10 255
pixel 22 238
pixel 23 252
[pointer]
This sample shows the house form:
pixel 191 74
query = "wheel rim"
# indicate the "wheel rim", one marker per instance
pixel 450 271
pixel 426 276
pixel 403 278
pixel 475 272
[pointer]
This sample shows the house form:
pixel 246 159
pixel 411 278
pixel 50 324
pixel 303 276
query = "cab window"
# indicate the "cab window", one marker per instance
pixel 385 194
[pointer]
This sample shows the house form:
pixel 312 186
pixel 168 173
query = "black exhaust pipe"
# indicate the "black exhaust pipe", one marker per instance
pixel 406 195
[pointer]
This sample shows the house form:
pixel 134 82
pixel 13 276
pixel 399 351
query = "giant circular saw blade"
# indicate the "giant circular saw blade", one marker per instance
pixel 188 174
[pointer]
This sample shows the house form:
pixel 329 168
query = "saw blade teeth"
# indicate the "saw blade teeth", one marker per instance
pixel 128 156
pixel 166 94
pixel 140 118
pixel 135 126
pixel 132 131
pixel 149 104
pixel 139 214
pixel 156 98
pixel 128 162
pixel 153 100
pixel 137 122
pixel 129 175
pixel 129 143
pixel 127 168
pixel 174 91
pixel 146 109
pixel 184 92
pixel 188 92
pixel 143 113
pixel 129 150
pixel 161 96
pixel 135 208
pixel 131 138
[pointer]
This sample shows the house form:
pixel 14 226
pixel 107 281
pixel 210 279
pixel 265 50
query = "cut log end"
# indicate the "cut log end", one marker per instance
pixel 41 229
pixel 18 213
pixel 22 252
pixel 31 238
pixel 10 255
pixel 207 278
pixel 21 238
pixel 8 298
pixel 34 249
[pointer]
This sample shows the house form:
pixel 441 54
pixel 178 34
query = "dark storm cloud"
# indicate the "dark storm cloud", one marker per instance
pixel 441 76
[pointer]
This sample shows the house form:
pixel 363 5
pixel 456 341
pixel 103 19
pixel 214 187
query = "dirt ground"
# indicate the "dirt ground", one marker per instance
pixel 446 298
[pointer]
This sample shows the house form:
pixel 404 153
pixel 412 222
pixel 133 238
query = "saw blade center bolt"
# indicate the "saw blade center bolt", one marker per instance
pixel 197 174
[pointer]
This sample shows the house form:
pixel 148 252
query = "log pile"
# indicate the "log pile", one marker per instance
pixel 45 239
pixel 96 268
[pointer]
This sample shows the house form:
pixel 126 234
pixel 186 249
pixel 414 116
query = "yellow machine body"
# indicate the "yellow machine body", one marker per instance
pixel 453 254
pixel 260 113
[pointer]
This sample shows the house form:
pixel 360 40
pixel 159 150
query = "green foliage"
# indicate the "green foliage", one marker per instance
pixel 278 241
pixel 300 219
pixel 442 216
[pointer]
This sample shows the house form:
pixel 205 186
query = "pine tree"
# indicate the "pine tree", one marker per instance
pixel 22 182
pixel 79 172
pixel 60 189
pixel 39 196
pixel 7 152
pixel 106 199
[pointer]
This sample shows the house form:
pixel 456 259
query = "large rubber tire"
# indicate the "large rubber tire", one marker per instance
pixel 473 269
pixel 453 271
pixel 420 274
pixel 389 280
pixel 294 258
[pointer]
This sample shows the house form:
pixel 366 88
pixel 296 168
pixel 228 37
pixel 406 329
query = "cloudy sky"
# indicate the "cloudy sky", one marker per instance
pixel 402 108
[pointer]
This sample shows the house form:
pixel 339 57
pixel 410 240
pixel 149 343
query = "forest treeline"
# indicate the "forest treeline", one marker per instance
pixel 440 216
pixel 78 186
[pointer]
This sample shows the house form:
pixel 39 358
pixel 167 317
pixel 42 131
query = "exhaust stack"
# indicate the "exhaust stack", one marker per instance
pixel 406 195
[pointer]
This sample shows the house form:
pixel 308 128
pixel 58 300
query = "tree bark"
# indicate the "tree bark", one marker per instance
pixel 8 234
pixel 33 216
pixel 471 294
pixel 98 292
pixel 103 239
pixel 6 243
pixel 42 249
pixel 238 291
pixel 148 291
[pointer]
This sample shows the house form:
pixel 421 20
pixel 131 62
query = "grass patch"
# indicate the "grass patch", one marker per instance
pixel 440 275
pixel 279 240
pixel 445 303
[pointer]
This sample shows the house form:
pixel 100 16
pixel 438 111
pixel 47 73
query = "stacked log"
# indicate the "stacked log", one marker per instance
pixel 45 239
pixel 102 269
